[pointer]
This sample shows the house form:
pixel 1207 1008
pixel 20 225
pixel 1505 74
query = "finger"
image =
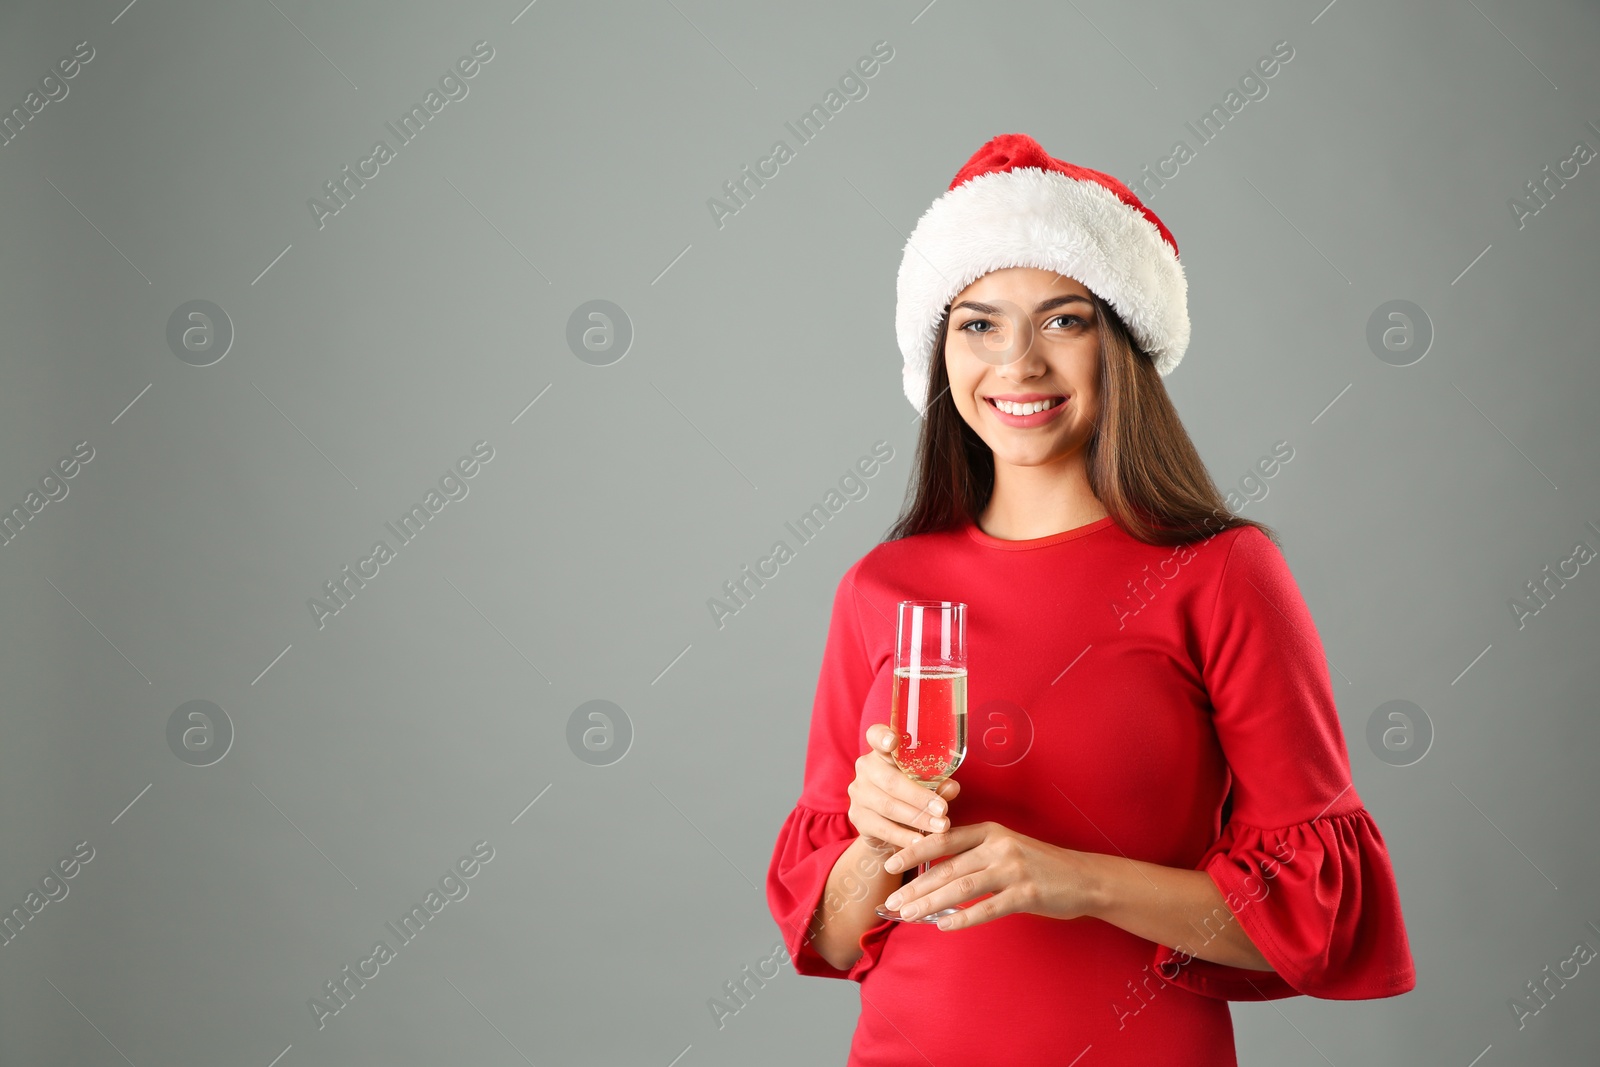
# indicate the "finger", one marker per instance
pixel 909 808
pixel 916 805
pixel 881 787
pixel 881 738
pixel 957 841
pixel 952 891
pixel 1002 903
pixel 872 824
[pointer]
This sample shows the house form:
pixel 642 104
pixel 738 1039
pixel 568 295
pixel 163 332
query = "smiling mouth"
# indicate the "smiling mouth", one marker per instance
pixel 1030 408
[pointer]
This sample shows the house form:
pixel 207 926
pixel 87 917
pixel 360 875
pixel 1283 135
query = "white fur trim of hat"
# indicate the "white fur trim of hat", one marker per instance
pixel 1013 205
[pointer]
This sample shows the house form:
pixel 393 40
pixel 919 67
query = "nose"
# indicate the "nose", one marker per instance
pixel 1019 357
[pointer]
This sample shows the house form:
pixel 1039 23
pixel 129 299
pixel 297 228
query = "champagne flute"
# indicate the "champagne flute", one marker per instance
pixel 928 703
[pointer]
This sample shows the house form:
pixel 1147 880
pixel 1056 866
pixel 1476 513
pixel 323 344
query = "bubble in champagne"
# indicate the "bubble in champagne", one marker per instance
pixel 928 712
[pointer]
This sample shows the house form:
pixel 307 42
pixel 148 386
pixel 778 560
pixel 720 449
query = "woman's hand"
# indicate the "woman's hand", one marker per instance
pixel 1022 874
pixel 887 808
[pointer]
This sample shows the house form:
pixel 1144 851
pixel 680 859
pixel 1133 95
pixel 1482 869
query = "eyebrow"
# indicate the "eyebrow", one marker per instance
pixel 1053 302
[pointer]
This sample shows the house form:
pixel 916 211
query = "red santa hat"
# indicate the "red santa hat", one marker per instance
pixel 1013 205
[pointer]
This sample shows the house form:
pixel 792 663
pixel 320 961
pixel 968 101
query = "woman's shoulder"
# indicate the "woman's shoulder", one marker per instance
pixel 890 563
pixel 1250 560
pixel 1249 548
pixel 914 550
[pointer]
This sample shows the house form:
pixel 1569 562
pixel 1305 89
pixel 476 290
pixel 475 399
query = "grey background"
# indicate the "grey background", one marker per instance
pixel 427 315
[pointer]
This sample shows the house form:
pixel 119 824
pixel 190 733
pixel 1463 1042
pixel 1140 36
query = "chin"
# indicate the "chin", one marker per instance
pixel 1028 457
pixel 1038 452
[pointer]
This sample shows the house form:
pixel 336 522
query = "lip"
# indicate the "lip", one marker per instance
pixel 1038 418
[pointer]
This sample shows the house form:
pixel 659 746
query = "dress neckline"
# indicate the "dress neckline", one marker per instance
pixel 976 533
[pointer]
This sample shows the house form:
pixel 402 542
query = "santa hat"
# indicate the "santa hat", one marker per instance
pixel 1013 205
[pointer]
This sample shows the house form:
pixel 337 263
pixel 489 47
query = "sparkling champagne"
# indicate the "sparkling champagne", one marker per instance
pixel 928 703
pixel 928 711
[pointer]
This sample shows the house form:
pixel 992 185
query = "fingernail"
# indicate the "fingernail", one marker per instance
pixel 891 865
pixel 893 901
pixel 936 806
pixel 937 824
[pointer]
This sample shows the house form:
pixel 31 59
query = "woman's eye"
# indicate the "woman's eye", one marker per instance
pixel 989 327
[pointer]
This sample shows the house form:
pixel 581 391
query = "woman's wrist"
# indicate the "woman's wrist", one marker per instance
pixel 1099 875
pixel 1076 885
pixel 869 858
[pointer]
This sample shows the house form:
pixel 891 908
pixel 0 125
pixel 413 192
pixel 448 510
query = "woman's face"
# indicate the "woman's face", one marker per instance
pixel 1024 334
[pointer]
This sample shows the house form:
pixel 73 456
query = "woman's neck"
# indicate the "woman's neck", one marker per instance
pixel 1039 501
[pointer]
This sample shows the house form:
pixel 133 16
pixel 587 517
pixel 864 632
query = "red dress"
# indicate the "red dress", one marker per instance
pixel 1117 691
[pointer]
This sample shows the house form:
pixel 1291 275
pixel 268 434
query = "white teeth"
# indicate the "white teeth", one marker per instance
pixel 1025 409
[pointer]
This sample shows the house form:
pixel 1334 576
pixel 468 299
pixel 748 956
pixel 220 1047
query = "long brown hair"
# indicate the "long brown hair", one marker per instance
pixel 1142 466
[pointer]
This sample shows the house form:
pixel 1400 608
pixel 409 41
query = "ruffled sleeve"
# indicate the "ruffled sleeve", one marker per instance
pixel 809 844
pixel 818 830
pixel 1300 863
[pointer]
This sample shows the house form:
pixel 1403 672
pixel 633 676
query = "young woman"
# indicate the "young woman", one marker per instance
pixel 1156 814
